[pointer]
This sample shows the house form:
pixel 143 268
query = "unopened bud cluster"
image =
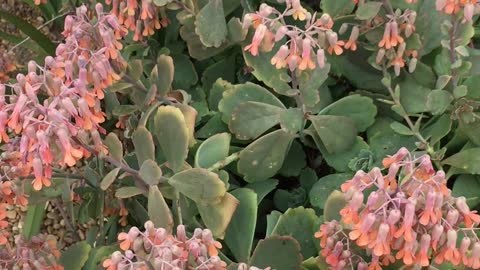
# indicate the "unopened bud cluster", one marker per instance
pixel 40 252
pixel 305 47
pixel 409 215
pixel 45 112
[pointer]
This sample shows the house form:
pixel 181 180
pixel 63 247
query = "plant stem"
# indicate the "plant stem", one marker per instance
pixel 146 115
pixel 178 207
pixel 453 55
pixel 224 162
pixel 300 103
pixel 135 174
pixel 65 217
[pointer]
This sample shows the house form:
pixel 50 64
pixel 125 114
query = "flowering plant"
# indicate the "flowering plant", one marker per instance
pixel 237 123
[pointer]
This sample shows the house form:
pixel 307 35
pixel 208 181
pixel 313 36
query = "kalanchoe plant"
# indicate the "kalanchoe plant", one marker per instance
pixel 406 214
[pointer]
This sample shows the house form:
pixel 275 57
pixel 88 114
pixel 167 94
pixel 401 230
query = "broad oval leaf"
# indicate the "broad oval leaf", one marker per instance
pixel 144 146
pixel 336 133
pixel 150 172
pixel 359 108
pixel 277 252
pixel 114 146
pixel 325 186
pixel 158 210
pixel 292 120
pixel 241 93
pixel 75 256
pixel 212 150
pixel 240 233
pixel 300 223
pixel 335 202
pixel 210 24
pixel 264 157
pixel 200 185
pixel 172 133
pixel 127 192
pixel 251 119
pixel 166 71
pixel 217 216
pixel 467 160
pixel 109 179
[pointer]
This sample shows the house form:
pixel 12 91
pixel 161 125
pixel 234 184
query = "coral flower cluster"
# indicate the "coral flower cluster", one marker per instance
pixel 455 6
pixel 45 113
pixel 141 18
pixel 392 47
pixel 6 66
pixel 407 214
pixel 157 248
pixel 305 47
pixel 40 252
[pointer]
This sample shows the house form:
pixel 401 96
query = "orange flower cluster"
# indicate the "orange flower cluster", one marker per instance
pixel 304 49
pixel 165 251
pixel 141 18
pixel 55 105
pixel 392 45
pixel 455 6
pixel 414 219
pixel 40 252
pixel 6 66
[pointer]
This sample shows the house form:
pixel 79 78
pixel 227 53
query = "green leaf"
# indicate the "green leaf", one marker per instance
pixel 135 69
pixel 158 210
pixel 340 161
pixel 277 79
pixel 240 233
pixel 413 97
pixel 236 33
pixel 272 220
pixel 172 133
pixel 33 219
pixel 241 93
pixel 213 126
pixel 251 119
pixel 439 129
pixel 325 186
pixel 97 255
pixel 438 101
pixel 337 7
pixel 29 30
pixel 468 160
pixel 429 16
pixel 335 202
pixel 301 224
pixel 200 185
pixel 336 133
pixel 263 188
pixel 75 256
pixel 367 11
pixel 210 24
pixel 127 192
pixel 190 115
pixel 144 146
pixel 467 186
pixel 212 150
pixel 295 160
pixel 166 72
pixel 277 252
pixel 124 110
pixel 310 83
pixel 401 128
pixel 217 216
pixel 292 120
pixel 150 172
pixel 109 178
pixel 185 74
pixel 359 108
pixel 264 157
pixel 114 146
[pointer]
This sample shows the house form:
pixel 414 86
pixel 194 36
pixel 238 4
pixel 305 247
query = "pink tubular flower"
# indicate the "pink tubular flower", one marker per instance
pixel 306 62
pixel 257 40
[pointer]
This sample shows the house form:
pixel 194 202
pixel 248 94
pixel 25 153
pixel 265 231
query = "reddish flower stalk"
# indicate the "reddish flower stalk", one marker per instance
pixel 410 215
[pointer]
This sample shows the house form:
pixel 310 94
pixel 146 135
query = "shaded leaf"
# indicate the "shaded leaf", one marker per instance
pixel 325 186
pixel 109 179
pixel 277 252
pixel 212 150
pixel 468 160
pixel 251 119
pixel 210 24
pixel 264 157
pixel 127 192
pixel 336 133
pixel 158 210
pixel 75 256
pixel 217 216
